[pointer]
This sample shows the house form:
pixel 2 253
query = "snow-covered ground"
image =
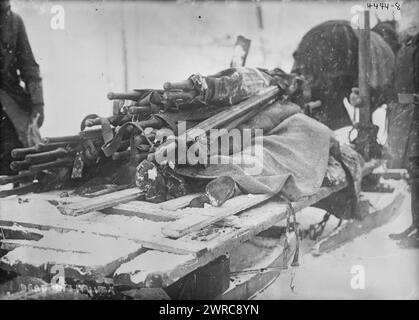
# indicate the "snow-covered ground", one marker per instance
pixel 168 41
pixel 389 271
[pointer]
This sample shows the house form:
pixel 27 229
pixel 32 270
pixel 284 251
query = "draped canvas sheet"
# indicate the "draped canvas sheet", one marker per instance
pixel 293 159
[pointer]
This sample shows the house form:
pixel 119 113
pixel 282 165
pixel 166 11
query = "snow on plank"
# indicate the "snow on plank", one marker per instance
pixel 172 267
pixel 100 202
pixel 197 219
pixel 218 239
pixel 42 215
pixel 81 255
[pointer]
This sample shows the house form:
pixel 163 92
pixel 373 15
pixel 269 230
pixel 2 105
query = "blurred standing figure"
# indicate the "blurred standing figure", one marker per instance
pixel 404 118
pixel 21 95
pixel 327 57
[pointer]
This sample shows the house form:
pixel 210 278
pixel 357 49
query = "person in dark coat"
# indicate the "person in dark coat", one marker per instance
pixel 387 30
pixel 21 95
pixel 327 57
pixel 404 117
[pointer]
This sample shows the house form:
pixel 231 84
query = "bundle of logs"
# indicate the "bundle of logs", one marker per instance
pixel 52 153
pixel 132 134
pixel 55 161
pixel 127 137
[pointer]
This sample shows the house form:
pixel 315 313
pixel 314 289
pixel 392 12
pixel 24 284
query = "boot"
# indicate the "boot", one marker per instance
pixel 150 181
pixel 415 202
pixel 217 192
pixel 199 202
pixel 415 213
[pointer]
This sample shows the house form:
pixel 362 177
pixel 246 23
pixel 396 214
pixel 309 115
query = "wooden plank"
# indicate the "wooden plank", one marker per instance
pixel 83 256
pixel 10 244
pixel 19 190
pixel 173 267
pixel 20 233
pixel 226 235
pixel 156 243
pixel 59 196
pixel 106 190
pixel 178 203
pixel 165 211
pixel 200 218
pixel 44 216
pixel 78 267
pixel 145 210
pixel 236 230
pixel 100 202
pixel 251 222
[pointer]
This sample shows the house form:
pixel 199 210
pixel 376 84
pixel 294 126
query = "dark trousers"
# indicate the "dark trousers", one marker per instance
pixel 415 202
pixel 413 165
pixel 9 140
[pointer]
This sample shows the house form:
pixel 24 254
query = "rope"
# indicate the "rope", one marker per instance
pixel 294 263
pixel 291 213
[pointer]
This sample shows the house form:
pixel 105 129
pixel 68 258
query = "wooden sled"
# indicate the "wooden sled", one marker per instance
pixel 125 244
pixel 128 244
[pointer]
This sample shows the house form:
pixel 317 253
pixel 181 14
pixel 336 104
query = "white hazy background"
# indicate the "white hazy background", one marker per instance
pixel 164 41
pixel 168 41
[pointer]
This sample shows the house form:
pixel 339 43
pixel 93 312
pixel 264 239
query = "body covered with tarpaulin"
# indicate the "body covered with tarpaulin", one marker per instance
pixel 293 154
